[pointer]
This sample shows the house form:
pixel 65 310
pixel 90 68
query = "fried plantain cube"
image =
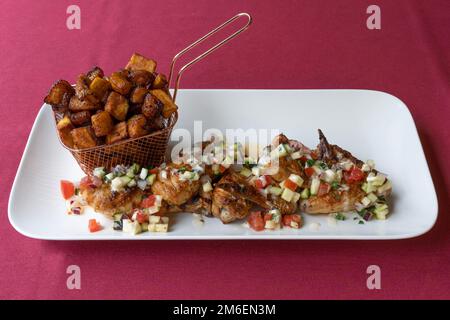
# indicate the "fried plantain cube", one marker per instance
pixel 83 92
pixel 120 83
pixel 138 94
pixel 83 137
pixel 137 126
pixel 160 82
pixel 80 118
pixel 141 77
pixel 76 105
pixel 118 133
pixel 152 107
pixel 156 124
pixel 60 94
pixel 94 73
pixel 99 87
pixel 117 106
pixel 169 106
pixel 139 62
pixel 64 127
pixel 102 123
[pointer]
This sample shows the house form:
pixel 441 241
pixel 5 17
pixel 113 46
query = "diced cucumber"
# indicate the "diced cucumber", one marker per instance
pixel 99 172
pixel 315 184
pixel 142 184
pixel 384 188
pixel 372 197
pixel 365 201
pixel 154 219
pixel 296 155
pixel 296 197
pixel 246 172
pixel 151 179
pixel 125 180
pixel 287 195
pixel 296 179
pixel 144 226
pixel 377 180
pixel 117 217
pixel 152 210
pixel 305 194
pixel 275 191
pixel 329 176
pixel 109 176
pixel 161 227
pixel 207 187
pixel 132 183
pixel 365 167
pixel 256 171
pixel 152 227
pixel 118 183
pixel 144 173
pixel 132 227
pixel 215 168
pixel 368 187
pixel 279 151
pixel 270 224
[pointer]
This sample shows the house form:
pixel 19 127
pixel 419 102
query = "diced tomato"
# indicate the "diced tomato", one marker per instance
pixel 354 175
pixel 303 159
pixel 267 217
pixel 289 184
pixel 148 202
pixel 263 182
pixel 86 182
pixel 153 171
pixel 67 189
pixel 314 155
pixel 141 217
pixel 324 188
pixel 222 169
pixel 268 179
pixel 94 226
pixel 259 184
pixel 256 221
pixel 309 171
pixel 288 218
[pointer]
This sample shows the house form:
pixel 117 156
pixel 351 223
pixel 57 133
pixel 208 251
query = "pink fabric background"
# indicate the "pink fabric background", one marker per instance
pixel 292 44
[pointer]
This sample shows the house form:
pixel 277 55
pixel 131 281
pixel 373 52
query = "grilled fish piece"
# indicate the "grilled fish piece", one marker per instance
pixel 233 198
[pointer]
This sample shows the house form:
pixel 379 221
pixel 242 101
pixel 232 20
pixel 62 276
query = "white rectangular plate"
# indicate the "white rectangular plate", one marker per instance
pixel 370 124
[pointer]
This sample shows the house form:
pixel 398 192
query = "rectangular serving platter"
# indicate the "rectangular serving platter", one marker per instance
pixel 370 124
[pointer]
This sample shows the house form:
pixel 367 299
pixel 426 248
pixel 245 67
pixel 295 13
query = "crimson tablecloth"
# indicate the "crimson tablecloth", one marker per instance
pixel 292 44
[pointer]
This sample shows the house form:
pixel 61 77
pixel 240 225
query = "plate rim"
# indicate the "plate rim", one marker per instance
pixel 434 210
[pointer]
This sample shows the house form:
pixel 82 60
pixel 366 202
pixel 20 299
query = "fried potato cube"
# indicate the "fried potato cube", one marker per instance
pixel 152 106
pixel 102 123
pixel 120 83
pixel 99 87
pixel 137 126
pixel 117 106
pixel 94 73
pixel 142 77
pixel 83 137
pixel 138 94
pixel 160 82
pixel 80 118
pixel 169 106
pixel 118 133
pixel 139 62
pixel 64 127
pixel 76 105
pixel 60 94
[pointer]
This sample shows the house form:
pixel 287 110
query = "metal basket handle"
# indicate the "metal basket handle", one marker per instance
pixel 209 51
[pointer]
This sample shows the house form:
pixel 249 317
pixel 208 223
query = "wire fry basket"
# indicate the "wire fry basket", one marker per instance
pixel 148 150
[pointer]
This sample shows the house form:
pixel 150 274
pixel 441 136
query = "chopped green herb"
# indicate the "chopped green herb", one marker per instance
pixel 339 216
pixel 310 162
pixel 323 165
pixel 334 185
pixel 361 222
